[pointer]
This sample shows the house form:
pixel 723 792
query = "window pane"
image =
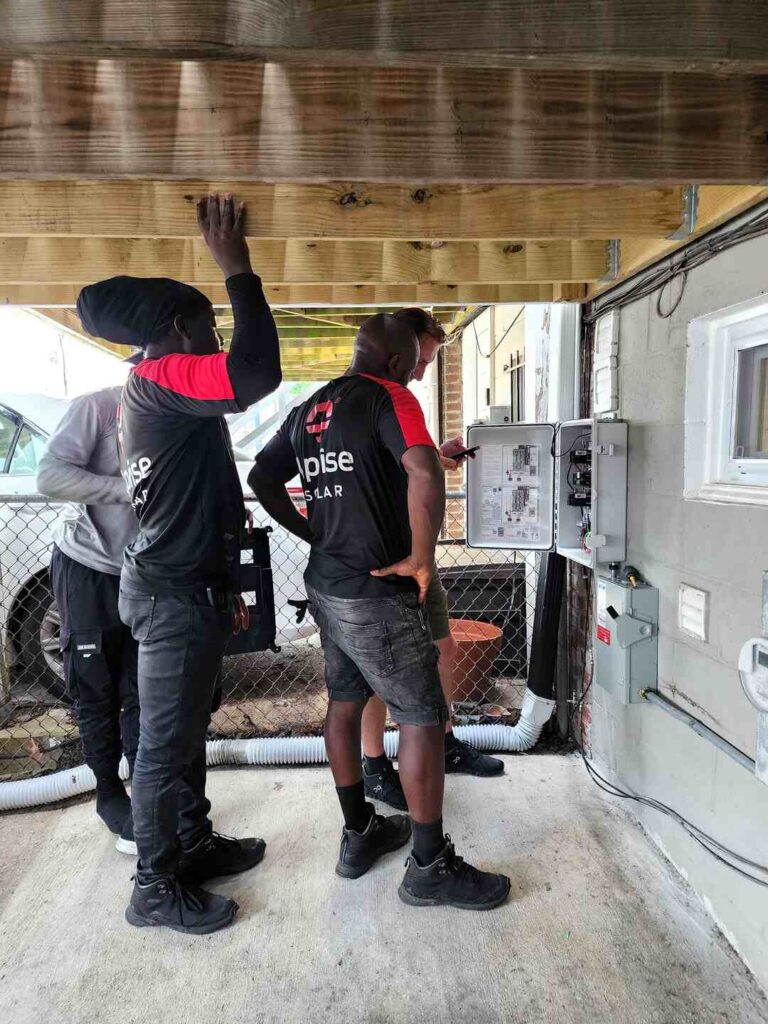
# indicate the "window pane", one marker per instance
pixel 751 422
pixel 7 430
pixel 26 455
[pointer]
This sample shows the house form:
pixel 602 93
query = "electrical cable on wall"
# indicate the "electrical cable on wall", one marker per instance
pixel 487 355
pixel 694 255
pixel 719 851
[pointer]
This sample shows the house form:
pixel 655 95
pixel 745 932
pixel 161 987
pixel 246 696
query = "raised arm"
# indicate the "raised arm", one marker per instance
pixel 253 360
pixel 62 474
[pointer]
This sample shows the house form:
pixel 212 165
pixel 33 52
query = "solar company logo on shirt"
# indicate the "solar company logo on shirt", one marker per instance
pixel 324 409
pixel 322 465
pixel 134 474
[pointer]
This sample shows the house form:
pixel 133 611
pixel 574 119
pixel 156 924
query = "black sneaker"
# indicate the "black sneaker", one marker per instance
pixel 125 842
pixel 360 850
pixel 461 759
pixel 217 855
pixel 385 786
pixel 450 882
pixel 167 903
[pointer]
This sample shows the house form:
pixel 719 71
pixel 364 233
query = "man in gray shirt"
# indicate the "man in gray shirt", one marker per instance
pixel 81 466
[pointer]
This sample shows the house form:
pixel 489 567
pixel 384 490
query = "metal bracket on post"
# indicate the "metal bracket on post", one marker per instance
pixel 690 212
pixel 614 257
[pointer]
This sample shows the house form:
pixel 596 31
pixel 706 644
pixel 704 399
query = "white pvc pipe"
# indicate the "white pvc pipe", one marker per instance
pixel 48 789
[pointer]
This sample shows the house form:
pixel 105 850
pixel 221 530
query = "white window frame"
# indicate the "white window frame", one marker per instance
pixel 714 343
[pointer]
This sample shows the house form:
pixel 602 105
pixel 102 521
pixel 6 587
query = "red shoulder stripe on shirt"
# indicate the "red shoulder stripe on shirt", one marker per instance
pixel 201 377
pixel 408 412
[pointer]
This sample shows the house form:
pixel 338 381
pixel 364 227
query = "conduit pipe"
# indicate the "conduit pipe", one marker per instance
pixel 660 701
pixel 49 789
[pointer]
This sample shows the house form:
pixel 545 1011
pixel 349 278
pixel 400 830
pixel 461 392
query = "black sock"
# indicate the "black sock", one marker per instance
pixel 428 841
pixel 357 813
pixel 112 802
pixel 375 765
pixel 108 783
pixel 451 741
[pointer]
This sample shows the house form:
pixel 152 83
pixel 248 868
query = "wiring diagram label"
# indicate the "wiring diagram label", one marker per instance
pixel 510 488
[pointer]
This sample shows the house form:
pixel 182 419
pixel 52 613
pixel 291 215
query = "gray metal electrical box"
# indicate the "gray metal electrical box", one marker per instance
pixel 535 486
pixel 627 638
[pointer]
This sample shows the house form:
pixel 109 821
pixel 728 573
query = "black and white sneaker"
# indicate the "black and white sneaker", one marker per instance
pixel 125 843
pixel 450 882
pixel 216 855
pixel 360 850
pixel 166 903
pixel 461 759
pixel 385 786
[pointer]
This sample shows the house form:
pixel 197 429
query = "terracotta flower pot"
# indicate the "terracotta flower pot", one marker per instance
pixel 479 644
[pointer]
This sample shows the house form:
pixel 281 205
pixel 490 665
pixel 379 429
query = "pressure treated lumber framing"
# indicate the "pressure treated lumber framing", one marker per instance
pixel 144 119
pixel 716 204
pixel 343 210
pixel 67 260
pixel 45 294
pixel 720 35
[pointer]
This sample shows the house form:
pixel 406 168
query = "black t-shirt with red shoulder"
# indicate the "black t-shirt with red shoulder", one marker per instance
pixel 178 461
pixel 348 440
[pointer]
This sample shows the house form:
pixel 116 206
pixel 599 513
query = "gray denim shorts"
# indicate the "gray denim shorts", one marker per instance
pixel 382 646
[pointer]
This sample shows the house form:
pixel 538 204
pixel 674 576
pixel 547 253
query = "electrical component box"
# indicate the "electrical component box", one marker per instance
pixel 627 638
pixel 538 486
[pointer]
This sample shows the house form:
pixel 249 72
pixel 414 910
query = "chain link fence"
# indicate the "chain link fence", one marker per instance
pixel 491 598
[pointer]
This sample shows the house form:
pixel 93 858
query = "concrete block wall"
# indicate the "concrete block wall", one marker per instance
pixel 723 549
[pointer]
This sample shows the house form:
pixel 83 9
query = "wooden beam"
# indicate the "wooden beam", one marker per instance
pixel 125 119
pixel 720 35
pixel 342 210
pixel 716 204
pixel 67 260
pixel 301 358
pixel 54 295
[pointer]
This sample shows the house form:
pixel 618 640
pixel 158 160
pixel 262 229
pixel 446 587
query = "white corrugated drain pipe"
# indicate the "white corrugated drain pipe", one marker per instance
pixel 48 789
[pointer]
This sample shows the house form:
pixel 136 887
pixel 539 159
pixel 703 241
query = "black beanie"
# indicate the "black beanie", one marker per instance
pixel 135 310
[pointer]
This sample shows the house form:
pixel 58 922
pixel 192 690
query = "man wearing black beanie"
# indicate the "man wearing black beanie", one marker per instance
pixel 179 585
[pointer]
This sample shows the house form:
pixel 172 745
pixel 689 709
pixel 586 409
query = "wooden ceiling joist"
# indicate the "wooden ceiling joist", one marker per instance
pixel 272 122
pixel 715 205
pixel 67 260
pixel 343 210
pixel 723 36
pixel 45 294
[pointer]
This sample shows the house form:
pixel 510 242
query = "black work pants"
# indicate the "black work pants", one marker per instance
pixel 100 663
pixel 181 645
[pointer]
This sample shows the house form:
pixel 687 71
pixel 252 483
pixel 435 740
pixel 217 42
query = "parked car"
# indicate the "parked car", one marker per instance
pixel 29 618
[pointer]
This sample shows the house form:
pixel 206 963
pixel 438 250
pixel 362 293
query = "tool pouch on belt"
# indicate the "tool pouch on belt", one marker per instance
pixel 258 594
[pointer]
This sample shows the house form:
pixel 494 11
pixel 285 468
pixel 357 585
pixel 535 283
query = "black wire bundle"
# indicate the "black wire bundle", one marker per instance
pixel 711 845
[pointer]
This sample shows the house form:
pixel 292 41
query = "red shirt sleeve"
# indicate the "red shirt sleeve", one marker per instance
pixel 401 422
pixel 201 377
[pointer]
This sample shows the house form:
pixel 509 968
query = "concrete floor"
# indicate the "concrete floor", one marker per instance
pixel 599 928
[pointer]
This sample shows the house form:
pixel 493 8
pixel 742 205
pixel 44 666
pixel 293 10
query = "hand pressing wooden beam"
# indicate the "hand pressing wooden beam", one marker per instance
pixel 45 294
pixel 66 260
pixel 723 36
pixel 126 119
pixel 344 210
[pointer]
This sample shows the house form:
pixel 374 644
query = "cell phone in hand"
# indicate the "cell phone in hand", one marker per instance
pixel 465 453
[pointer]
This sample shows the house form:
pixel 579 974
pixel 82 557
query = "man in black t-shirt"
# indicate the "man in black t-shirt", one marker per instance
pixel 375 495
pixel 179 585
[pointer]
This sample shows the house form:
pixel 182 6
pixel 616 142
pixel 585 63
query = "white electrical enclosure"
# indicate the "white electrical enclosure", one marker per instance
pixel 535 486
pixel 510 486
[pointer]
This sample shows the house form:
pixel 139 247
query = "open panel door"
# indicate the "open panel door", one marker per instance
pixel 510 486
